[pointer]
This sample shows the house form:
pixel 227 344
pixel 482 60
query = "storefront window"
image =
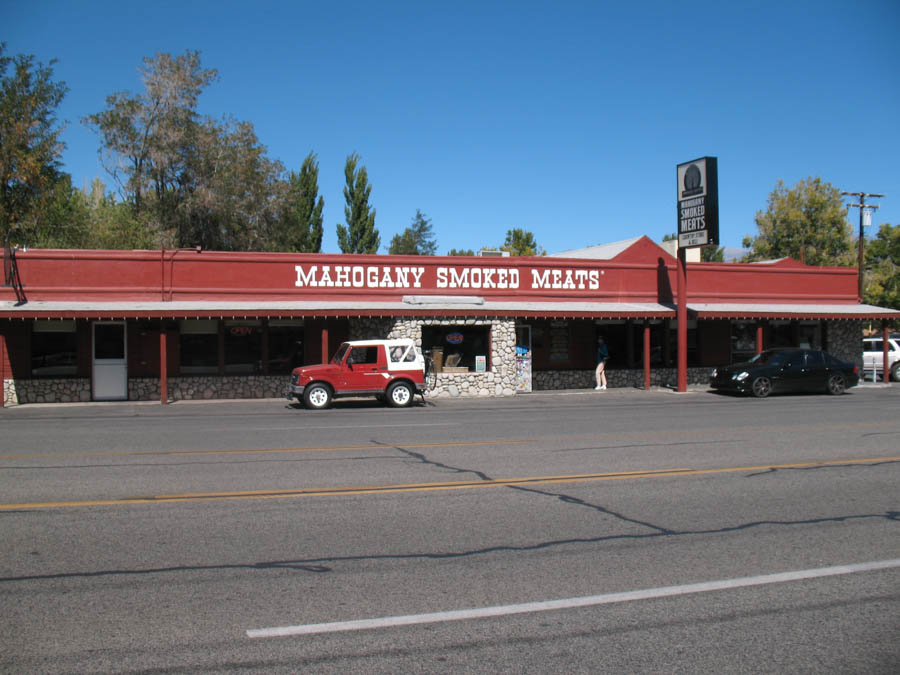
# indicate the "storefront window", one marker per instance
pixel 810 335
pixel 199 347
pixel 285 346
pixel 243 347
pixel 743 341
pixel 459 348
pixel 54 348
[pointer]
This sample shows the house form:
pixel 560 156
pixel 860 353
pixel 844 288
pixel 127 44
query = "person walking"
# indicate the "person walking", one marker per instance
pixel 602 357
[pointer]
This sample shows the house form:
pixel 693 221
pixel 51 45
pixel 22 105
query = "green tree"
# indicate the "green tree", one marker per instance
pixel 807 223
pixel 520 242
pixel 883 268
pixel 30 145
pixel 146 138
pixel 113 223
pixel 712 254
pixel 227 200
pixel 417 239
pixel 461 251
pixel 300 222
pixel 193 180
pixel 359 235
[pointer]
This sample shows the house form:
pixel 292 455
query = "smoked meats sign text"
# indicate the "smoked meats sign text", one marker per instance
pixel 469 278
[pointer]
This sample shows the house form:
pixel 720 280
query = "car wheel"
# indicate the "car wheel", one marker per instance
pixel 895 371
pixel 762 387
pixel 400 394
pixel 836 385
pixel 317 396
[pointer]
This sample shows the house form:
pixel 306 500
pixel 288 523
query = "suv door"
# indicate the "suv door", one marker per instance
pixel 873 356
pixel 365 368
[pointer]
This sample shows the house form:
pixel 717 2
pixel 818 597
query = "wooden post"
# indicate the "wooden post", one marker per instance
pixel 885 335
pixel 646 355
pixel 163 366
pixel 759 337
pixel 325 343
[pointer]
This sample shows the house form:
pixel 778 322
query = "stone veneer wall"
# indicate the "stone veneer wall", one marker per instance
pixel 500 380
pixel 844 340
pixel 546 380
pixel 198 387
pixel 47 390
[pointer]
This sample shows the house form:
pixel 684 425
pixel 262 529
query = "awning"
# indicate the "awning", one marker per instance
pixel 789 311
pixel 467 306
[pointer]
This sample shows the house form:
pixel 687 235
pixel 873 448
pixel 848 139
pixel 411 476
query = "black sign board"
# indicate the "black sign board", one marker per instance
pixel 698 203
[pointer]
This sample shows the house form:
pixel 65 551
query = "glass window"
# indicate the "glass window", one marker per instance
pixel 285 346
pixel 460 347
pixel 54 348
pixel 243 347
pixel 401 354
pixel 815 358
pixel 743 341
pixel 364 355
pixel 199 347
pixel 109 341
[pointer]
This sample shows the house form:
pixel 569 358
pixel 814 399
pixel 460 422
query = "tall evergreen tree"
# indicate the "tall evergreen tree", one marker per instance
pixel 417 239
pixel 300 222
pixel 359 235
pixel 521 242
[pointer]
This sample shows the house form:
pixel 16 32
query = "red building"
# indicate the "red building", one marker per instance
pixel 78 325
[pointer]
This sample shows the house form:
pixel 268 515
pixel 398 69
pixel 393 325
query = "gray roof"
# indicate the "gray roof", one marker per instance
pixel 600 252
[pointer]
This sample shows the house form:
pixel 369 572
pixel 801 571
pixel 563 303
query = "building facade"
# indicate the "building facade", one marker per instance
pixel 191 324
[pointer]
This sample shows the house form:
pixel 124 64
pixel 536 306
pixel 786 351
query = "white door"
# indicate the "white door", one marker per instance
pixel 110 380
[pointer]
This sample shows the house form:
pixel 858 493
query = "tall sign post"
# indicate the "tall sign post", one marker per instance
pixel 697 194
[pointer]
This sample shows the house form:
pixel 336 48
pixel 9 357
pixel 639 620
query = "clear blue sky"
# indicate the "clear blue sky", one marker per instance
pixel 563 118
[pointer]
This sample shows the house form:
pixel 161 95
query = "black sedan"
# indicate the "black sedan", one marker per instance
pixel 784 370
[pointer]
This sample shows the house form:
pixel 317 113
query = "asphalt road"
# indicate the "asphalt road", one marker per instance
pixel 617 531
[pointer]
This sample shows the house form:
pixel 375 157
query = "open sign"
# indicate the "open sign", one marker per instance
pixel 454 338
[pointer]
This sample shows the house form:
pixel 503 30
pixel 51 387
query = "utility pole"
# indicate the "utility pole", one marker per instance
pixel 862 206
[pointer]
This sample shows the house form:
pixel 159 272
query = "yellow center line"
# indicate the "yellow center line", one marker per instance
pixel 452 485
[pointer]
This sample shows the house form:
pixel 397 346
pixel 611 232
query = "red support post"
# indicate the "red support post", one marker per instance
pixel 163 366
pixel 325 343
pixel 886 334
pixel 646 355
pixel 2 369
pixel 759 337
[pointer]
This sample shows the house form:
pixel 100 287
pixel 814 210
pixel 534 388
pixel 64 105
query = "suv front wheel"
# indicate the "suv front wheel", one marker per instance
pixel 317 396
pixel 400 394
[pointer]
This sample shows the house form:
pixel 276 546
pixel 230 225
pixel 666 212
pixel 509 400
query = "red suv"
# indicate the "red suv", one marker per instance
pixel 391 370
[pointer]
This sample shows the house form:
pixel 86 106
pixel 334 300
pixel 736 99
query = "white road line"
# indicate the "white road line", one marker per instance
pixel 568 603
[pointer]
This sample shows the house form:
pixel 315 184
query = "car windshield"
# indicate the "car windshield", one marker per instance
pixel 340 353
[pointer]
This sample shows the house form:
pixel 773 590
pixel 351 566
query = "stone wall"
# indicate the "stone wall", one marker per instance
pixel 500 380
pixel 208 387
pixel 844 340
pixel 548 380
pixel 47 390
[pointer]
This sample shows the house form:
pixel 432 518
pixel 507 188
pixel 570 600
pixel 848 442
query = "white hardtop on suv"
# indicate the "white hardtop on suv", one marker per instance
pixel 392 370
pixel 873 355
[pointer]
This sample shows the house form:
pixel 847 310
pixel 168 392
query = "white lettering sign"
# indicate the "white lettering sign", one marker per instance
pixel 470 278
